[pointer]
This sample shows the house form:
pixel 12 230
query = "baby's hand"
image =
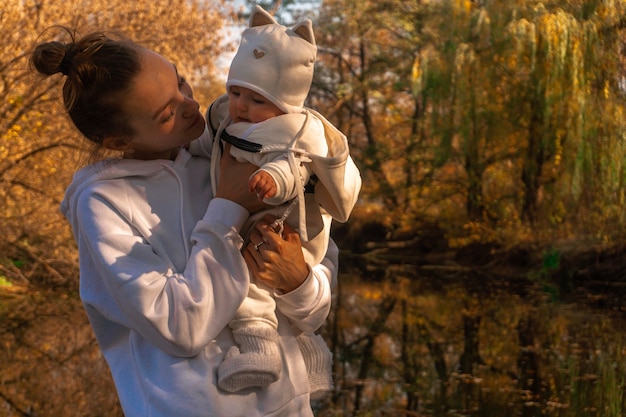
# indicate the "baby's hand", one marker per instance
pixel 263 185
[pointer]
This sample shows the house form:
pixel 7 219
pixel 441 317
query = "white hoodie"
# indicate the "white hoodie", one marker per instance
pixel 161 275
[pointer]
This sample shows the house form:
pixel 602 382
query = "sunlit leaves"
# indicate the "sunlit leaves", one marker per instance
pixel 517 99
pixel 39 152
pixel 39 148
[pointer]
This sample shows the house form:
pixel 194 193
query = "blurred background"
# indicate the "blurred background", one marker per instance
pixel 483 271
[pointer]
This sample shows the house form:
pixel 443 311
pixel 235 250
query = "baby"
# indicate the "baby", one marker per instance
pixel 303 162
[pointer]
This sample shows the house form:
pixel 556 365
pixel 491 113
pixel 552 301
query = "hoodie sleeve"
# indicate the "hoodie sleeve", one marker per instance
pixel 124 280
pixel 308 306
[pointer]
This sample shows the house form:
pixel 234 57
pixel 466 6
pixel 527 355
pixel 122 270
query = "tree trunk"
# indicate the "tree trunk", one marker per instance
pixel 528 369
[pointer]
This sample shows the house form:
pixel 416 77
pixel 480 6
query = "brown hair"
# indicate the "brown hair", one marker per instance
pixel 99 70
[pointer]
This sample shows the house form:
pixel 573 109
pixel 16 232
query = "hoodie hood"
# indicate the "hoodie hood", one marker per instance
pixel 110 169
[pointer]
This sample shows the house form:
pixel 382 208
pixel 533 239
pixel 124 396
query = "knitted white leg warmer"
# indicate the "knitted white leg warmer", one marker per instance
pixel 255 363
pixel 318 360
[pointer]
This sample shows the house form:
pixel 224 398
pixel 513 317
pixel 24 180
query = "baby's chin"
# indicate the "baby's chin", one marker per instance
pixel 238 120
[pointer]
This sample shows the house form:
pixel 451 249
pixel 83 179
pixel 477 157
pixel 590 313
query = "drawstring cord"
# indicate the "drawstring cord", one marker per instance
pixel 278 224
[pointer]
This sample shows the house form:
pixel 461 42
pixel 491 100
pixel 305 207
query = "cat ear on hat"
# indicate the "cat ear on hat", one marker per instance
pixel 304 29
pixel 260 17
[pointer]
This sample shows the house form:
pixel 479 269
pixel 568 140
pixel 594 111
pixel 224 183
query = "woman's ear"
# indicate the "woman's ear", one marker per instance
pixel 116 143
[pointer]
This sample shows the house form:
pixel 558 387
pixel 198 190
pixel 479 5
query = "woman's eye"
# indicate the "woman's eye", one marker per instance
pixel 169 117
pixel 181 82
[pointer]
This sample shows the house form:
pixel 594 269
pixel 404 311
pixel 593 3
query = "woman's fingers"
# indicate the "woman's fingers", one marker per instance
pixel 276 260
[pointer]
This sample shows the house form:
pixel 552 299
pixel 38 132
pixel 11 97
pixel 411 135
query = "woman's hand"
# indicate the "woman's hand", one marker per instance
pixel 233 182
pixel 278 262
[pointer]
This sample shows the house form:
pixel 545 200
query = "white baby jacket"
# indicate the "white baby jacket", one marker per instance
pixel 292 147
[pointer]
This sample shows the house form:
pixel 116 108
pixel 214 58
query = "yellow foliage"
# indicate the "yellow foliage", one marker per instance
pixel 463 7
pixel 371 294
pixel 417 76
pixel 385 350
pixel 39 148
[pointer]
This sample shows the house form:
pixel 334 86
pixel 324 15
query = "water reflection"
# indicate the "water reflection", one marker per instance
pixel 455 342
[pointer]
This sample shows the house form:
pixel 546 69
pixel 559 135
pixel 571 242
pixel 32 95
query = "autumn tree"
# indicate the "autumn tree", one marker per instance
pixel 569 93
pixel 37 143
pixel 502 121
pixel 500 113
pixel 367 54
pixel 50 369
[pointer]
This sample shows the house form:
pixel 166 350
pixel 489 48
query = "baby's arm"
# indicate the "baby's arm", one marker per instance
pixel 286 184
pixel 263 185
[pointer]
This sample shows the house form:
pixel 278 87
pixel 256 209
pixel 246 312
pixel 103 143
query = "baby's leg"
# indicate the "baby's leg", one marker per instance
pixel 255 361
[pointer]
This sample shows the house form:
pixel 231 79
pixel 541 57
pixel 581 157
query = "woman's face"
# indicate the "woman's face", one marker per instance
pixel 161 109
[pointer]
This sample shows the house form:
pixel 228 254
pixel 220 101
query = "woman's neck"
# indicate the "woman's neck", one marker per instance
pixel 147 156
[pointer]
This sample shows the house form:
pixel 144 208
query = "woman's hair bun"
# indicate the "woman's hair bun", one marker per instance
pixel 100 68
pixel 52 57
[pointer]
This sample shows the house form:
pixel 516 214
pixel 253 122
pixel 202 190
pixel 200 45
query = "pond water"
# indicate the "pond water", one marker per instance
pixel 408 340
pixel 449 341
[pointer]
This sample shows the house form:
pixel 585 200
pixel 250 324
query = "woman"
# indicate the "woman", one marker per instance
pixel 161 271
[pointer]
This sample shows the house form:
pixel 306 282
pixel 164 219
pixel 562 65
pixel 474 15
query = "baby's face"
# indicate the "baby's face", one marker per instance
pixel 246 105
